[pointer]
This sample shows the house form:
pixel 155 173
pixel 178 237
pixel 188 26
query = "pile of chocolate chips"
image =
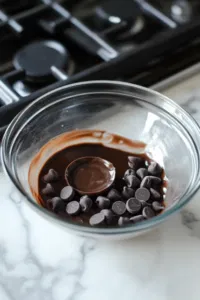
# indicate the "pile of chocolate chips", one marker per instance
pixel 141 197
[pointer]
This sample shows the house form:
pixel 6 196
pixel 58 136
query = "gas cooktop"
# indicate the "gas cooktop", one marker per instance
pixel 46 44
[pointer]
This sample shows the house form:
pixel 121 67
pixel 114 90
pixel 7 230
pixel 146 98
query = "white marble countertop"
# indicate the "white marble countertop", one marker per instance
pixel 39 261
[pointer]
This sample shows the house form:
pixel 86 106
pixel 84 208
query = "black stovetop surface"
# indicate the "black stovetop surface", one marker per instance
pixel 46 44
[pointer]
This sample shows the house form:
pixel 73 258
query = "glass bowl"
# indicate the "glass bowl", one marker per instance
pixel 172 137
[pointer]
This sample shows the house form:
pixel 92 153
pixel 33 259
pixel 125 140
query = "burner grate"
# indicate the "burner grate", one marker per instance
pixel 12 7
pixel 45 44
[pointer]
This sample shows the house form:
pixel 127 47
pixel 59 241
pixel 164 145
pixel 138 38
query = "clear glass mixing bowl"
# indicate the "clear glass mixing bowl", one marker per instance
pixel 172 137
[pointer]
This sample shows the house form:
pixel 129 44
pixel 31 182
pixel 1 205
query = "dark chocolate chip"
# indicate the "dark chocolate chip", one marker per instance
pixel 129 172
pixel 108 214
pixel 155 169
pixel 85 203
pixel 142 194
pixel 56 204
pixel 144 204
pixel 97 219
pixel 67 193
pixel 137 219
pixel 51 176
pixel 127 192
pixel 155 194
pixel 48 190
pixel 148 213
pixel 114 195
pixel 123 221
pixel 102 202
pixel 119 208
pixel 73 208
pixel 142 172
pixel 157 206
pixel 133 206
pixel 150 181
pixel 132 181
pixel 135 162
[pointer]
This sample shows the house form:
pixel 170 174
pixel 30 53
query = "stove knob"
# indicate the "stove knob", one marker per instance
pixel 114 12
pixel 181 11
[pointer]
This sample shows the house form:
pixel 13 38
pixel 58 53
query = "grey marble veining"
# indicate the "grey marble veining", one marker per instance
pixel 39 261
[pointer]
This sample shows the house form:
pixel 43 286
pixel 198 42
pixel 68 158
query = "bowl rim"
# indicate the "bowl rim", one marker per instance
pixel 136 228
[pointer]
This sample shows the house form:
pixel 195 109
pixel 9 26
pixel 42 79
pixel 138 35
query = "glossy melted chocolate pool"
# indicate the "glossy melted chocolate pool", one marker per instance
pixel 135 194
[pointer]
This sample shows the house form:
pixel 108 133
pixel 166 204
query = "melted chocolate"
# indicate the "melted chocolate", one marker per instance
pixel 112 151
pixel 60 160
pixel 90 175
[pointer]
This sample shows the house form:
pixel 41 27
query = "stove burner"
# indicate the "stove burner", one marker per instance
pixel 114 12
pixel 37 58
